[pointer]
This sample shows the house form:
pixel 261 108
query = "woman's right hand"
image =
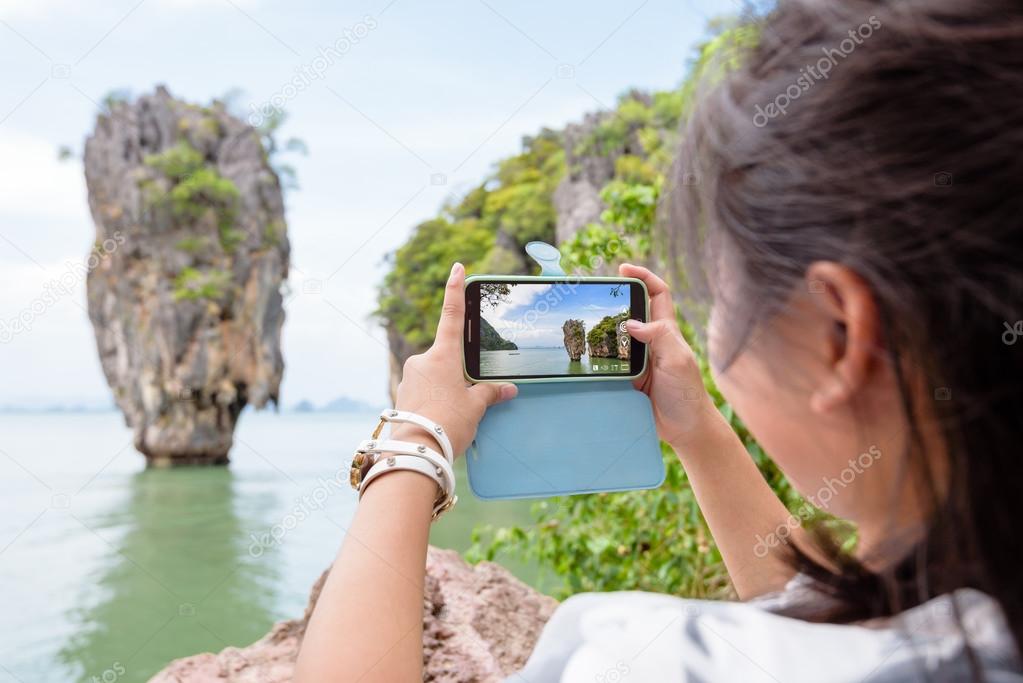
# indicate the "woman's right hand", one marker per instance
pixel 683 410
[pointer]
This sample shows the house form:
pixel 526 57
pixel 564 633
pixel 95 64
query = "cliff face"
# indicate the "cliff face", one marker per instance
pixel 490 340
pixel 624 344
pixel 479 626
pixel 590 188
pixel 604 339
pixel 185 301
pixel 577 198
pixel 575 338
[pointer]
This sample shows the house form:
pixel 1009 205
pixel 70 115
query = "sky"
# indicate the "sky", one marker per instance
pixel 533 315
pixel 415 104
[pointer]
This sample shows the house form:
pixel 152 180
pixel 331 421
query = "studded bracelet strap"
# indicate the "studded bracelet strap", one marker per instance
pixel 431 427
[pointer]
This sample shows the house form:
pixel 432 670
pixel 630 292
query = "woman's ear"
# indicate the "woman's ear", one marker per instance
pixel 840 294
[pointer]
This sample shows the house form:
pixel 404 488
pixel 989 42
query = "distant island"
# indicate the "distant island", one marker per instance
pixel 490 340
pixel 44 406
pixel 342 404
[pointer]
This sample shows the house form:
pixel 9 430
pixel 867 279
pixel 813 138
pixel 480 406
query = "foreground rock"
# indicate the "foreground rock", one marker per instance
pixel 479 625
pixel 184 280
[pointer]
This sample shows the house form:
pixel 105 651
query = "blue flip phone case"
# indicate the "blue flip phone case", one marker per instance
pixel 562 438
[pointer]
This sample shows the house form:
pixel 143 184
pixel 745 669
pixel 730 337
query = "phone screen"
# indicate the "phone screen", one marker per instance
pixel 569 328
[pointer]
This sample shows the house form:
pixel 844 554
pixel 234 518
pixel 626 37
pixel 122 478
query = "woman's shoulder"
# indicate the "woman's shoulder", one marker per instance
pixel 633 636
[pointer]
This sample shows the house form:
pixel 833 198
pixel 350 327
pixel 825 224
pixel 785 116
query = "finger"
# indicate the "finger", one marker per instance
pixel 661 306
pixel 654 284
pixel 452 313
pixel 493 394
pixel 658 334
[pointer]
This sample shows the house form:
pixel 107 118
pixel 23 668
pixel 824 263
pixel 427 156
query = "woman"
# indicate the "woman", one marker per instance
pixel 852 194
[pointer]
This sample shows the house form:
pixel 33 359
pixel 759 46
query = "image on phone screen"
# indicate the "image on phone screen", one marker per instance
pixel 552 329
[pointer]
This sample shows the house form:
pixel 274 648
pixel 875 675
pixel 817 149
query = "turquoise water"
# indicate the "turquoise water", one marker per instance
pixel 545 362
pixel 110 569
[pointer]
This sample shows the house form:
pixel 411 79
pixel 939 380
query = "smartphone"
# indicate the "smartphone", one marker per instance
pixel 533 329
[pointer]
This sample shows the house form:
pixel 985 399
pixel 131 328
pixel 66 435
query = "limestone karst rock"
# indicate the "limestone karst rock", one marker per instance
pixel 479 626
pixel 575 338
pixel 491 340
pixel 600 347
pixel 603 339
pixel 185 301
pixel 577 198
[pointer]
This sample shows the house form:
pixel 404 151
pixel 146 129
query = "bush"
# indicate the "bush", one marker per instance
pixel 196 188
pixel 514 202
pixel 192 284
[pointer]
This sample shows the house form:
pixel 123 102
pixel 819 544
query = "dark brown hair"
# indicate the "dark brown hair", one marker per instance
pixel 904 161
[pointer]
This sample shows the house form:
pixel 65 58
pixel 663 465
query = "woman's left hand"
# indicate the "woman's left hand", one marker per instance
pixel 433 383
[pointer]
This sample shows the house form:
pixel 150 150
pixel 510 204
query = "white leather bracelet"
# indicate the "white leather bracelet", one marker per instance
pixel 413 463
pixel 431 427
pixel 394 447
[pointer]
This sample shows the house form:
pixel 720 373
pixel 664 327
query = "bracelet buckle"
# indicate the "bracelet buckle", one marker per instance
pixel 448 503
pixel 363 460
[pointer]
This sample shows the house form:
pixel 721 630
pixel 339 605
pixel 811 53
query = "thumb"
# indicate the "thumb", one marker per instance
pixel 493 394
pixel 654 334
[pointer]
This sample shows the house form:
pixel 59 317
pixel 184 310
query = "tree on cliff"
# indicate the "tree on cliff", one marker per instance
pixel 603 338
pixel 187 310
pixel 486 229
pixel 493 293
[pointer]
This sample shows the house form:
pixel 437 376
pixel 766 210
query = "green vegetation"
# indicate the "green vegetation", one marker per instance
pixel 115 97
pixel 515 201
pixel 268 132
pixel 193 244
pixel 196 188
pixel 603 338
pixel 273 232
pixel 192 284
pixel 647 540
pixel 493 293
pixel 490 340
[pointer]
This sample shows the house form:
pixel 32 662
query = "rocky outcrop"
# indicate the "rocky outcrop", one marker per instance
pixel 577 198
pixel 600 347
pixel 479 624
pixel 575 338
pixel 603 339
pixel 624 344
pixel 491 340
pixel 185 301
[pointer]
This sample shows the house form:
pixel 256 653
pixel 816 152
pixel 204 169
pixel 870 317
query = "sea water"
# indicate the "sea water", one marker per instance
pixel 110 570
pixel 550 361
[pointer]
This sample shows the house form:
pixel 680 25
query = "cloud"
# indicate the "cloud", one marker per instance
pixel 36 183
pixel 519 296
